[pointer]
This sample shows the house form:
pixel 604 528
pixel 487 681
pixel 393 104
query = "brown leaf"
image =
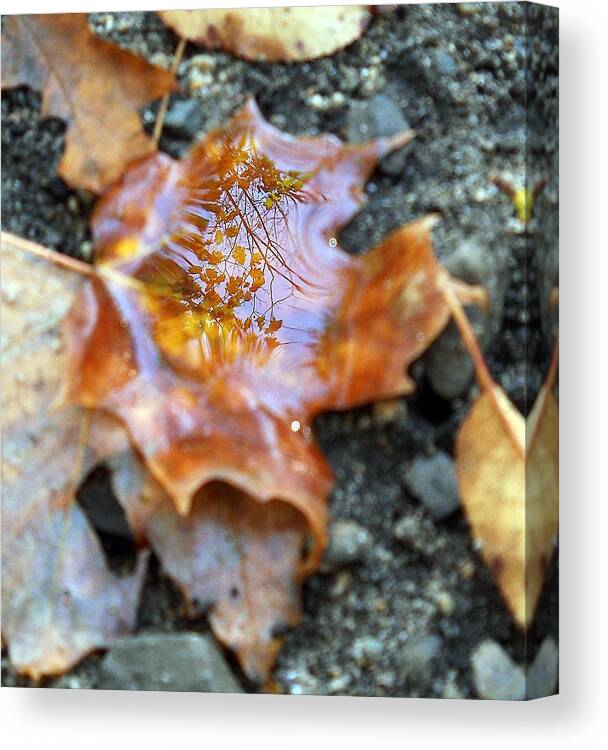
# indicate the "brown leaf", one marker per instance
pixel 59 600
pixel 508 476
pixel 94 85
pixel 231 555
pixel 275 34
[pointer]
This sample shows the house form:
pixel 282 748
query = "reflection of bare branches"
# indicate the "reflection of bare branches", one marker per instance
pixel 217 276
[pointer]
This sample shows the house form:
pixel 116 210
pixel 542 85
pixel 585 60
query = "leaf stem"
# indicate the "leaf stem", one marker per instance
pixel 52 256
pixel 469 338
pixel 164 104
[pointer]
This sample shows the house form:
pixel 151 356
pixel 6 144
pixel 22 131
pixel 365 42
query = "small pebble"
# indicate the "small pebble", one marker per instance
pixel 349 544
pixel 74 205
pixel 338 685
pixel 495 674
pixel 445 64
pixel 199 80
pixel 341 584
pixel 86 250
pixel 391 410
pixel 433 481
pixel 204 63
pixel 386 679
pixel 366 650
pixel 468 9
pixel 184 118
pixel 377 118
pixel 301 682
pixel 417 658
pixel 541 679
pixel 445 603
pixel 161 60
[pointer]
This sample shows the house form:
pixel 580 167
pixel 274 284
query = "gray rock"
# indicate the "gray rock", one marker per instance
pixel 495 674
pixel 184 118
pixel 179 662
pixel 448 364
pixel 378 118
pixel 444 63
pixel 349 543
pixel 541 679
pixel 419 534
pixel 300 681
pixel 366 650
pixel 433 481
pixel 338 685
pixel 417 658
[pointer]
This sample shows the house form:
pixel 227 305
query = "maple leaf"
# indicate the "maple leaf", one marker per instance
pixel 508 477
pixel 94 85
pixel 217 382
pixel 59 600
pixel 277 34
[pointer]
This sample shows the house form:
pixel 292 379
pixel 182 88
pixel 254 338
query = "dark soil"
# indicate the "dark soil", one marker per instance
pixel 459 77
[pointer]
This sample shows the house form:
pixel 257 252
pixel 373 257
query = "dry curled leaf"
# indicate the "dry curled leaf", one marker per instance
pixel 223 317
pixel 59 600
pixel 508 476
pixel 94 85
pixel 275 34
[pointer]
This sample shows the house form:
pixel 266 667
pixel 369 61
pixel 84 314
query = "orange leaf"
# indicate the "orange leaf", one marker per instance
pixel 59 600
pixel 94 85
pixel 208 398
pixel 279 34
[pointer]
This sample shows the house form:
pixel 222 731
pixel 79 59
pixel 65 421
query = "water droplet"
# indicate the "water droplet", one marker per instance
pixel 123 323
pixel 420 336
pixel 295 426
pixel 333 242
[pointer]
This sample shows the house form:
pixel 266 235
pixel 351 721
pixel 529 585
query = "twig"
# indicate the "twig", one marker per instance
pixel 164 104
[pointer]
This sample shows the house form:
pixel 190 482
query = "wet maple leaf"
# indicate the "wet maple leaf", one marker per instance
pixel 59 600
pixel 223 318
pixel 94 85
pixel 278 34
